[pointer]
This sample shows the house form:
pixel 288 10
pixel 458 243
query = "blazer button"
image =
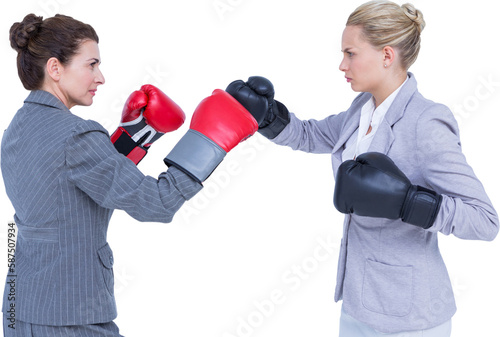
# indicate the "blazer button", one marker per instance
pixel 111 260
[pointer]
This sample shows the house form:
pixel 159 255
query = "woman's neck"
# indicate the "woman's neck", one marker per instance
pixel 52 88
pixel 387 87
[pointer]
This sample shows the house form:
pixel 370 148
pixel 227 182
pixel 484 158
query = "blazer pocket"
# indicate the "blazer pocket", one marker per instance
pixel 387 289
pixel 106 257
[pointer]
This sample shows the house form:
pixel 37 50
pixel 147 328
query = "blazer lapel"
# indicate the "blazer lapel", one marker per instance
pixel 383 139
pixel 352 122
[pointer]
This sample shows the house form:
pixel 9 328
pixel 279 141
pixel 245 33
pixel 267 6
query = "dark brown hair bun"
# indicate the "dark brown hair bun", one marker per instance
pixel 37 40
pixel 21 32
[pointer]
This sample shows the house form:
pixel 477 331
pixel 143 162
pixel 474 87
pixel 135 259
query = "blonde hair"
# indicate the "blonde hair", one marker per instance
pixel 385 23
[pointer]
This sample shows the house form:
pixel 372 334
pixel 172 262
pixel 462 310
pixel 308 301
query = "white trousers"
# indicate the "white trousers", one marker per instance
pixel 351 327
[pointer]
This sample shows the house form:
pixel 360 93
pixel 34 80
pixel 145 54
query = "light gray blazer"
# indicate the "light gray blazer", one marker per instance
pixel 64 179
pixel 391 274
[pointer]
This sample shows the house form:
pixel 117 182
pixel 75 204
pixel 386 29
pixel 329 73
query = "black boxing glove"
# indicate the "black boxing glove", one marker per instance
pixel 372 185
pixel 257 96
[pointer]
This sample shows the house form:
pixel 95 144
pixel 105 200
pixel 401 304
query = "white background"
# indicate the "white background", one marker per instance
pixel 253 234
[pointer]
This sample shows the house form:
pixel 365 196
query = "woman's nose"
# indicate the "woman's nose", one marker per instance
pixel 343 65
pixel 100 78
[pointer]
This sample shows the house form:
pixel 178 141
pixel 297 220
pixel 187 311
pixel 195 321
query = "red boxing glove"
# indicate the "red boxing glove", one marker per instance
pixel 219 123
pixel 223 119
pixel 147 115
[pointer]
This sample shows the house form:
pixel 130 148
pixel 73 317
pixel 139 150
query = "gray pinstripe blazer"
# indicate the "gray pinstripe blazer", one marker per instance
pixel 391 275
pixel 64 178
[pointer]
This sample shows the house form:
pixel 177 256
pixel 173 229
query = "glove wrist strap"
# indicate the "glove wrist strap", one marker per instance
pixel 196 155
pixel 421 207
pixel 278 124
pixel 127 146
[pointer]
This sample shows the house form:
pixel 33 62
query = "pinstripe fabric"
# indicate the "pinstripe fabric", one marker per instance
pixel 64 178
pixel 33 330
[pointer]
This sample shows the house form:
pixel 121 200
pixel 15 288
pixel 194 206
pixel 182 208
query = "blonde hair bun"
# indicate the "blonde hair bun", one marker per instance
pixel 415 15
pixel 385 23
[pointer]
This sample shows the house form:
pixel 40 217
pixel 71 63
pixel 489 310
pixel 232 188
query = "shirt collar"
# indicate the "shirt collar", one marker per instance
pixel 374 115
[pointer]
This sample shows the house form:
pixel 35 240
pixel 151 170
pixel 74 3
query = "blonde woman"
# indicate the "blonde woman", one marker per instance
pixel 400 176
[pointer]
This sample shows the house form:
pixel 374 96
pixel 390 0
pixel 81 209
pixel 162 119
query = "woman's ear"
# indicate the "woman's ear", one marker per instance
pixel 389 55
pixel 54 69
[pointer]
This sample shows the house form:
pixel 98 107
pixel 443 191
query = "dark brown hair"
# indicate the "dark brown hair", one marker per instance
pixel 37 40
